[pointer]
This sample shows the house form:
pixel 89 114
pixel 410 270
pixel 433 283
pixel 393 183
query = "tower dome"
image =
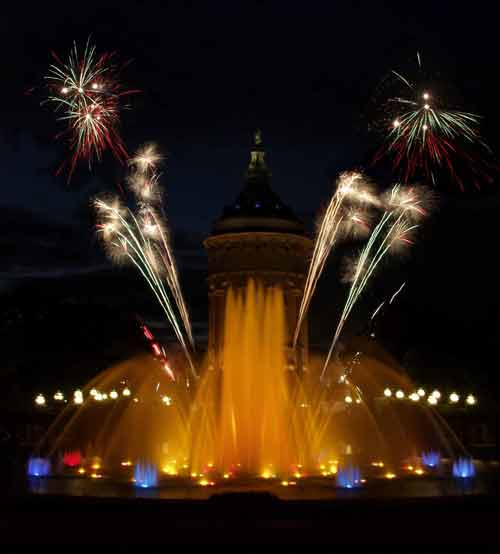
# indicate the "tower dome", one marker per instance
pixel 258 207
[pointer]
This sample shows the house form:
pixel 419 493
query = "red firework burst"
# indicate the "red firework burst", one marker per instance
pixel 88 94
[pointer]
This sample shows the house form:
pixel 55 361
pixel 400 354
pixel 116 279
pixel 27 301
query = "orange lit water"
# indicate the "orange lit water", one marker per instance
pixel 254 425
pixel 253 415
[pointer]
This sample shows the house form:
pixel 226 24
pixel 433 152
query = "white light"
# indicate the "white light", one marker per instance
pixel 388 393
pixel 426 106
pixel 126 392
pixel 58 395
pixel 80 90
pixel 400 394
pixel 93 392
pixel 348 399
pixel 471 400
pixel 436 394
pixel 64 90
pixel 421 392
pixel 414 396
pixel 432 400
pixel 424 127
pixel 94 85
pixel 426 96
pixel 166 400
pixel 358 400
pixel 396 123
pixel 98 396
pixel 454 397
pixel 40 400
pixel 104 396
pixel 78 397
pixel 113 394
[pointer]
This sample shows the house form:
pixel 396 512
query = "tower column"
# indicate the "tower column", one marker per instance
pixel 260 237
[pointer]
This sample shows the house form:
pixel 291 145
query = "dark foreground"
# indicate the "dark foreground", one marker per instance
pixel 250 518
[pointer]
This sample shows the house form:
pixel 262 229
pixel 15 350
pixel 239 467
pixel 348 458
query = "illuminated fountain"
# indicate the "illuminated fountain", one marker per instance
pixel 145 475
pixel 135 423
pixel 38 467
pixel 431 459
pixel 255 431
pixel 464 468
pixel 259 408
pixel 72 458
pixel 349 477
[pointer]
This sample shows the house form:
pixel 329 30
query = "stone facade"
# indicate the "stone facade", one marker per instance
pixel 271 257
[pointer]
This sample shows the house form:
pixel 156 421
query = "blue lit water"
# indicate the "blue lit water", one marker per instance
pixel 348 477
pixel 463 468
pixel 145 475
pixel 432 458
pixel 38 467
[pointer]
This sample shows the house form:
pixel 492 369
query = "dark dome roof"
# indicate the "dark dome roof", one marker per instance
pixel 258 207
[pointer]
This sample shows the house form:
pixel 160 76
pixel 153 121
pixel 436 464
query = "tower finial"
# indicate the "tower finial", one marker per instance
pixel 258 137
pixel 257 153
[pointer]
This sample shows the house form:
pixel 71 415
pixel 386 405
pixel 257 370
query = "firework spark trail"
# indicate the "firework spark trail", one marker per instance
pixel 396 293
pixel 144 184
pixel 350 185
pixel 378 309
pixel 390 301
pixel 355 359
pixel 173 281
pixel 394 226
pixel 125 235
pixel 88 92
pixel 158 352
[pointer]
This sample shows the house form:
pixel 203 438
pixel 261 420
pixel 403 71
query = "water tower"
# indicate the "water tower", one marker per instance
pixel 260 237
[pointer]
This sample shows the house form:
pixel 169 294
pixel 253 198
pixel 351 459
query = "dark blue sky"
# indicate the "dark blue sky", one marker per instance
pixel 210 73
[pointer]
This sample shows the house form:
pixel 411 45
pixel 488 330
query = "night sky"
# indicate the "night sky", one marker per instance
pixel 305 73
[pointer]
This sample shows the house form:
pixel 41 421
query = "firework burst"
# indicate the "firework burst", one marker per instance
pixel 426 138
pixel 141 238
pixel 145 187
pixel 144 183
pixel 146 159
pixel 345 216
pixel 87 95
pixel 403 207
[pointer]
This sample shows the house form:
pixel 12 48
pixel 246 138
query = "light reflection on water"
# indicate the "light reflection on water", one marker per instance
pixel 307 489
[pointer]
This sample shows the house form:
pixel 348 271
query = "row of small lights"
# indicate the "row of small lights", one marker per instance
pixel 41 401
pixel 416 396
pixel 432 398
